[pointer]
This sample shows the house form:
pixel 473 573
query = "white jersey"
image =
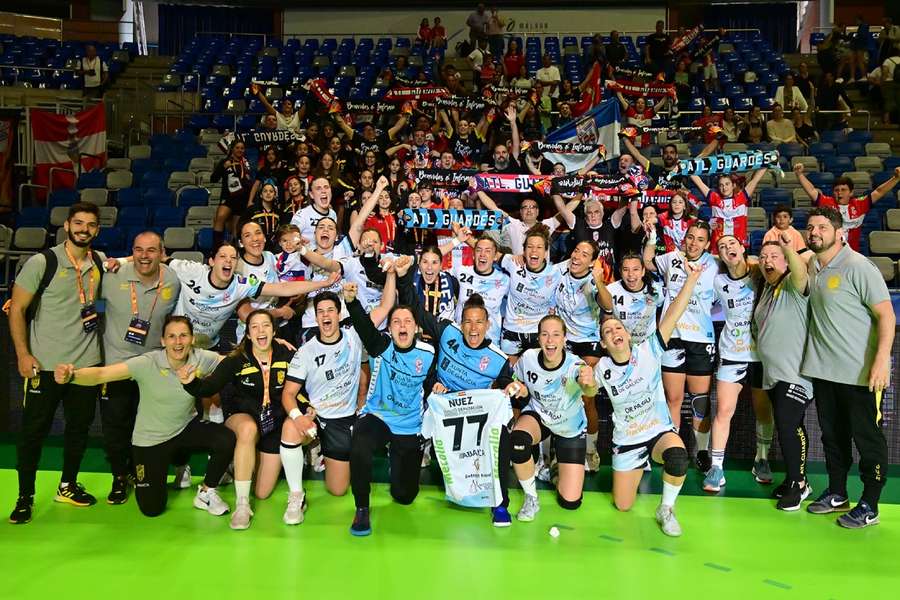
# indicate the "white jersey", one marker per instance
pixel 576 303
pixel 330 373
pixel 635 389
pixel 466 427
pixel 208 306
pixel 368 292
pixel 530 295
pixel 492 287
pixel 290 266
pixel 554 394
pixel 696 324
pixel 338 252
pixel 636 310
pixel 736 297
pixel 517 231
pixel 308 217
pixel 265 272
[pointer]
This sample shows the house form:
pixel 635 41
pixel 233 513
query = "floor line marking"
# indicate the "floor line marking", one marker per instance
pixel 662 551
pixel 611 538
pixel 722 568
pixel 777 584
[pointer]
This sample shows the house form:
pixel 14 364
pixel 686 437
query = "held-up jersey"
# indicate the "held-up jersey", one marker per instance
pixel 339 252
pixel 736 297
pixel 207 306
pixel 530 295
pixel 396 386
pixel 554 394
pixel 267 272
pixel 696 324
pixel 674 231
pixel 729 216
pixel 492 286
pixel 576 303
pixel 466 427
pixel 636 310
pixel 330 373
pixel 635 389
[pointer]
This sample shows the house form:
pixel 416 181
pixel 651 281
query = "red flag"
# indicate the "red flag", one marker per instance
pixel 591 95
pixel 61 140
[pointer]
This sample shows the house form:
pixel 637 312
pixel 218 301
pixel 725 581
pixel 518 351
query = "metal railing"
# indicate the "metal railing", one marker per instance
pixel 17 70
pixel 769 112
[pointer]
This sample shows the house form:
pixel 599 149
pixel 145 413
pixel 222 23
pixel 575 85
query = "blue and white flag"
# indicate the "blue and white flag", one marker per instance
pixel 600 125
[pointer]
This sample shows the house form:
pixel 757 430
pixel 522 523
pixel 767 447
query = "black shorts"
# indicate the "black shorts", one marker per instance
pixel 269 443
pixel 569 450
pixel 582 349
pixel 335 435
pixel 515 343
pixel 630 457
pixel 690 358
pixel 237 204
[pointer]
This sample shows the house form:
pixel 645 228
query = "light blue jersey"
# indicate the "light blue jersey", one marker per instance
pixel 396 388
pixel 554 394
pixel 576 304
pixel 492 286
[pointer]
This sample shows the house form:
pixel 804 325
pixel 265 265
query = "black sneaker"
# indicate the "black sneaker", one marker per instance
pixel 74 494
pixel 794 497
pixel 21 514
pixel 781 490
pixel 119 492
pixel 861 516
pixel 361 525
pixel 703 461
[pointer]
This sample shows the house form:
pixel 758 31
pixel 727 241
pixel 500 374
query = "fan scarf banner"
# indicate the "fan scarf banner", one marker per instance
pixel 705 47
pixel 261 139
pixel 609 185
pixel 684 41
pixel 565 147
pixel 371 107
pixel 645 90
pixel 508 183
pixel 463 103
pixel 724 164
pixel 74 142
pixel 443 177
pixel 443 218
pixel 426 92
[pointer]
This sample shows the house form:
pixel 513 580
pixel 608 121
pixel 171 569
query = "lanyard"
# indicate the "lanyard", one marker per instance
pixel 81 295
pixel 265 367
pixel 134 301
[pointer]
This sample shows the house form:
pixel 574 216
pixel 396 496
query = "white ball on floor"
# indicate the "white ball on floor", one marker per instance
pixel 554 532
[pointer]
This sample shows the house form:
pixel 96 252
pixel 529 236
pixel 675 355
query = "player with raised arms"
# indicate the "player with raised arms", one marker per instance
pixel 633 299
pixel 548 379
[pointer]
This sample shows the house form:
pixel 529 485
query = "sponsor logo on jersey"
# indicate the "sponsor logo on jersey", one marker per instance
pixel 419 365
pixel 485 361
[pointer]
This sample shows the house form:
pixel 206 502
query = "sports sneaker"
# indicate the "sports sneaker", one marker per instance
pixel 210 501
pixel 21 514
pixel 793 497
pixel 227 476
pixel 296 505
pixel 74 494
pixel 828 503
pixel 426 454
pixel 182 477
pixel 240 519
pixel 530 507
pixel 119 492
pixel 715 480
pixel 781 489
pixel 665 516
pixel 592 462
pixel 861 516
pixel 361 525
pixel 316 459
pixel 703 461
pixel 500 517
pixel 543 473
pixel 762 472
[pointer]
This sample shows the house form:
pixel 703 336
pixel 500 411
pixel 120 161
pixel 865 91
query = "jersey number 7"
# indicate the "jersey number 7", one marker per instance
pixel 458 423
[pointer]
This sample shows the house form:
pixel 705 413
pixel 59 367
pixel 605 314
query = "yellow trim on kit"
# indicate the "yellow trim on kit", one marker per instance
pixel 248 371
pixel 281 364
pixel 878 397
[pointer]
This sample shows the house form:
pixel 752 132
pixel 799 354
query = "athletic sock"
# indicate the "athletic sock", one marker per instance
pixel 702 440
pixel 215 414
pixel 241 490
pixel 529 486
pixel 670 493
pixel 718 458
pixel 763 439
pixel 592 443
pixel 292 461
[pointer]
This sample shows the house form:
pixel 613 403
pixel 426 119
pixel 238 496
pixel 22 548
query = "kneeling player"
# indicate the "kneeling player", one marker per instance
pixel 642 425
pixel 551 384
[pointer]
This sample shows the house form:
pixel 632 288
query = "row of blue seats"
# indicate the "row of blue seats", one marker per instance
pixel 118 241
pixel 193 196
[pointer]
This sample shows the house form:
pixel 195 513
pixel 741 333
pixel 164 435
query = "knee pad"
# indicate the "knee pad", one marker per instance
pixel 570 454
pixel 520 446
pixel 699 405
pixel 675 461
pixel 567 504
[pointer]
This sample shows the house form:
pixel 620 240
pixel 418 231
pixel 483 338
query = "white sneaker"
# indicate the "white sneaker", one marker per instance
pixel 426 454
pixel 316 459
pixel 592 462
pixel 530 507
pixel 210 501
pixel 293 515
pixel 182 477
pixel 240 519
pixel 665 516
pixel 543 473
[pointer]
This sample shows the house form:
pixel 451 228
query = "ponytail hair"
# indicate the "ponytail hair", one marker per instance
pixel 539 230
pixel 475 301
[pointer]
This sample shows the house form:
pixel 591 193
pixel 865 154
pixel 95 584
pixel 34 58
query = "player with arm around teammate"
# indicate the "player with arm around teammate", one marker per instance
pixel 642 426
pixel 549 379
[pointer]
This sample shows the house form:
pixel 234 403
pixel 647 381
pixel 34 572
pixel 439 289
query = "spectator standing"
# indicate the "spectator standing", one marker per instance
pixel 789 95
pixel 888 39
pixel 438 35
pixel 477 23
pixel 549 75
pixel 512 61
pixel 615 50
pixel 494 29
pixel 93 71
pixel 657 51
pixel 890 86
pixel 425 33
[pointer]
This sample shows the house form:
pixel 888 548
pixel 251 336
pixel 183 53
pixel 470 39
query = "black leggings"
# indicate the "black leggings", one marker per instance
pixel 371 433
pixel 118 408
pixel 789 402
pixel 151 463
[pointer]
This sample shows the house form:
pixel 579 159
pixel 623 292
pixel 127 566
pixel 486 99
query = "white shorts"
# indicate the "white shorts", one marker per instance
pixel 740 372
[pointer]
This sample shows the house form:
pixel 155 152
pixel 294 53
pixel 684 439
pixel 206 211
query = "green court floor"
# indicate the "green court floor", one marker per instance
pixel 734 546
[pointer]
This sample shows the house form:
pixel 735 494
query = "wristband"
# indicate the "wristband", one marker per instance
pixel 295 412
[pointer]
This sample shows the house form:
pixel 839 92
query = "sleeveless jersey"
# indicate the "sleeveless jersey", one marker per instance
pixel 554 394
pixel 696 324
pixel 338 252
pixel 208 306
pixel 466 427
pixel 462 368
pixel 396 386
pixel 635 389
pixel 736 297
pixel 330 373
pixel 492 286
pixel 267 272
pixel 576 303
pixel 530 295
pixel 636 310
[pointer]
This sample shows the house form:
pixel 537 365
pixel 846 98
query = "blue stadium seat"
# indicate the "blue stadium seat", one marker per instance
pixel 129 197
pixel 833 137
pixel 110 240
pixel 132 216
pixel 860 137
pixel 769 198
pixel 205 239
pixel 62 197
pixel 157 196
pixel 33 216
pixel 91 179
pixel 166 216
pixel 820 180
pixel 837 164
pixel 193 197
pixel 790 150
pixel 821 149
pixel 851 149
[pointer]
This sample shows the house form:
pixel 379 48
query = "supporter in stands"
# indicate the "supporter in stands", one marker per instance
pixel 890 86
pixel 789 96
pixel 888 39
pixel 287 118
pixel 438 35
pixel 568 93
pixel 549 75
pixel 272 169
pixel 782 227
pixel 779 129
pixel 494 30
pixel 729 203
pixel 804 83
pixel 234 173
pixel 806 133
pixel 754 127
pixel 859 45
pixel 732 125
pixel 477 23
pixel 521 81
pixel 94 72
pixel 615 50
pixel 513 61
pixel 425 33
pixel 831 96
pixel 641 115
pixel 710 74
pixel 657 51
